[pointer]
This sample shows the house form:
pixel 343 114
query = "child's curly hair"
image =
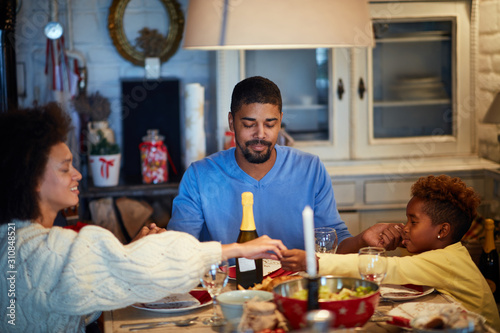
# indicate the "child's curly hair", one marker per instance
pixel 449 200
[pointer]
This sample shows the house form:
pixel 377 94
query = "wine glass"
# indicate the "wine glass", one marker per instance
pixel 326 240
pixel 372 264
pixel 214 280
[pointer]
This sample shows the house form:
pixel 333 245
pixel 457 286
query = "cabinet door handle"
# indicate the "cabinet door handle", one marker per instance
pixel 340 89
pixel 361 88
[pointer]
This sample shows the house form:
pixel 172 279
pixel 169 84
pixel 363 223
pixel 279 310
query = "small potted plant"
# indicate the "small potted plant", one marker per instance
pixel 94 110
pixel 104 161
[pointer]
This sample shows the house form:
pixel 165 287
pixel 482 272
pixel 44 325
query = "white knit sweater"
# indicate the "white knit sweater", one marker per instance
pixel 59 280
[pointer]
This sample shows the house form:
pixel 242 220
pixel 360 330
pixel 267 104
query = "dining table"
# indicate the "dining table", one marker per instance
pixel 379 322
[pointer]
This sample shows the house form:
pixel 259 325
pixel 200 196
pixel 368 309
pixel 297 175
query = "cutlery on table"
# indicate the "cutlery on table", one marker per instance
pixel 180 322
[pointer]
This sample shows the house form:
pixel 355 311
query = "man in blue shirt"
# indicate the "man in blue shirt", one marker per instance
pixel 283 181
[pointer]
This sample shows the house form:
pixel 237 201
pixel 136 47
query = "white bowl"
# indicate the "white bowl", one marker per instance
pixel 231 302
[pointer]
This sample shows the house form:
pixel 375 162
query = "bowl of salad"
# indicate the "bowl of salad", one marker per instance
pixel 352 301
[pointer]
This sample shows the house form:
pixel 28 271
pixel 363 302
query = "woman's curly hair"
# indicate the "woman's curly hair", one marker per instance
pixel 26 138
pixel 449 200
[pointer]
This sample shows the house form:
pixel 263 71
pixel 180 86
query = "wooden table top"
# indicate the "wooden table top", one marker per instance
pixel 114 319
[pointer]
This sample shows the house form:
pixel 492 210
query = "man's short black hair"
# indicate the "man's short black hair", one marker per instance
pixel 255 89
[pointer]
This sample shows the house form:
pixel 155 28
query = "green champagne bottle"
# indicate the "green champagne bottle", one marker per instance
pixel 488 262
pixel 248 271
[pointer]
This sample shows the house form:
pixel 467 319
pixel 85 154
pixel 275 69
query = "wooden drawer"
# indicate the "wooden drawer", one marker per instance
pixel 345 193
pixel 387 192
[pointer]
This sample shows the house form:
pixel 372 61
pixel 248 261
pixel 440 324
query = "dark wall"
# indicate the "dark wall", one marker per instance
pixel 8 80
pixel 150 104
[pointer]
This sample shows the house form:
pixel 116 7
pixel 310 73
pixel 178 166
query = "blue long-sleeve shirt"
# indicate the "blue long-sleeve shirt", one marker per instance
pixel 208 205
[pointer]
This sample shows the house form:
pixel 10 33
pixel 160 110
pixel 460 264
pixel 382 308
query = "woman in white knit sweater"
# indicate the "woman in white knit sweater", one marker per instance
pixel 58 280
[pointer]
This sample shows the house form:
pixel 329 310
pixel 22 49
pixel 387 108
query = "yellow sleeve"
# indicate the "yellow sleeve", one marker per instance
pixel 338 264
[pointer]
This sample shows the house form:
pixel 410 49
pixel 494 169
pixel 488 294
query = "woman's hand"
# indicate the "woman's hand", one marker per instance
pixel 294 260
pixel 148 230
pixel 258 248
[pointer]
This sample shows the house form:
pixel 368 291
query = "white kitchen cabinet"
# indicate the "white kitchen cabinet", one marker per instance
pixel 411 94
pixel 352 221
pixel 313 116
pixel 401 110
pixel 380 194
pixel 419 96
pixel 386 185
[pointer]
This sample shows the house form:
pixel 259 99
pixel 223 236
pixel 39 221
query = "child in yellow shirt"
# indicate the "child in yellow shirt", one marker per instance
pixel 439 213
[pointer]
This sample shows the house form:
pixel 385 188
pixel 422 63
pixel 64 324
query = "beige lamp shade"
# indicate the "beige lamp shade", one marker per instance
pixel 277 24
pixel 493 114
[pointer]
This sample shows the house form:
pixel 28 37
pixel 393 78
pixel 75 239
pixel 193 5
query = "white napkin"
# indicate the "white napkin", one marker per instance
pixel 453 314
pixel 270 265
pixel 411 310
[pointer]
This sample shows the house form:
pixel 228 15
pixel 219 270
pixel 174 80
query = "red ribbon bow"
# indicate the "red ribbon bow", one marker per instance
pixel 157 144
pixel 105 167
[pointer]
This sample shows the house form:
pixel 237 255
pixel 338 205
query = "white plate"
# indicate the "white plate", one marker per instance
pixel 399 295
pixel 172 304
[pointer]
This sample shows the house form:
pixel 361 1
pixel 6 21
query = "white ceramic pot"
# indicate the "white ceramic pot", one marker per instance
pixel 105 169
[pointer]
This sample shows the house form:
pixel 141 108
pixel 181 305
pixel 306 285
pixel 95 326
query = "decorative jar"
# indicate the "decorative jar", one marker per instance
pixel 153 158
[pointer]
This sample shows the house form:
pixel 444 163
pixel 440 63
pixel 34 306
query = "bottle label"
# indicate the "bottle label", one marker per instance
pixel 246 264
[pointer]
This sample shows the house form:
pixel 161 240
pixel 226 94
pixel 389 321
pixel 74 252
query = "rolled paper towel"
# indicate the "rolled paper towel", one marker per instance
pixel 194 117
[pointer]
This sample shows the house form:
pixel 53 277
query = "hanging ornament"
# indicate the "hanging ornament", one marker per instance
pixel 53 30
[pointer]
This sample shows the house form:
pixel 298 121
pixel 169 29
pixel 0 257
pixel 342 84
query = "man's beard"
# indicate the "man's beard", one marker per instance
pixel 256 157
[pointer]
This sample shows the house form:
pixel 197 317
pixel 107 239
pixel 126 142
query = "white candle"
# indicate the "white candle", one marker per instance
pixel 308 221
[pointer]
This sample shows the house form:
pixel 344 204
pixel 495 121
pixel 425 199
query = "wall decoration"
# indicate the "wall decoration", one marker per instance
pixel 135 54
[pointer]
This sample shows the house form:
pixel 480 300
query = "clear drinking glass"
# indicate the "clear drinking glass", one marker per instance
pixel 214 280
pixel 372 264
pixel 326 240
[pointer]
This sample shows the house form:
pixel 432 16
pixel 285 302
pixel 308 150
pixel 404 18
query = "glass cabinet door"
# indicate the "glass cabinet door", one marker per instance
pixel 416 98
pixel 303 79
pixel 315 88
pixel 412 79
pixel 410 95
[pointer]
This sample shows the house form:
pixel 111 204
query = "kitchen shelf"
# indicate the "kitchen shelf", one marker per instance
pixel 422 36
pixel 304 118
pixel 304 107
pixel 413 39
pixel 93 192
pixel 444 101
pixel 124 188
